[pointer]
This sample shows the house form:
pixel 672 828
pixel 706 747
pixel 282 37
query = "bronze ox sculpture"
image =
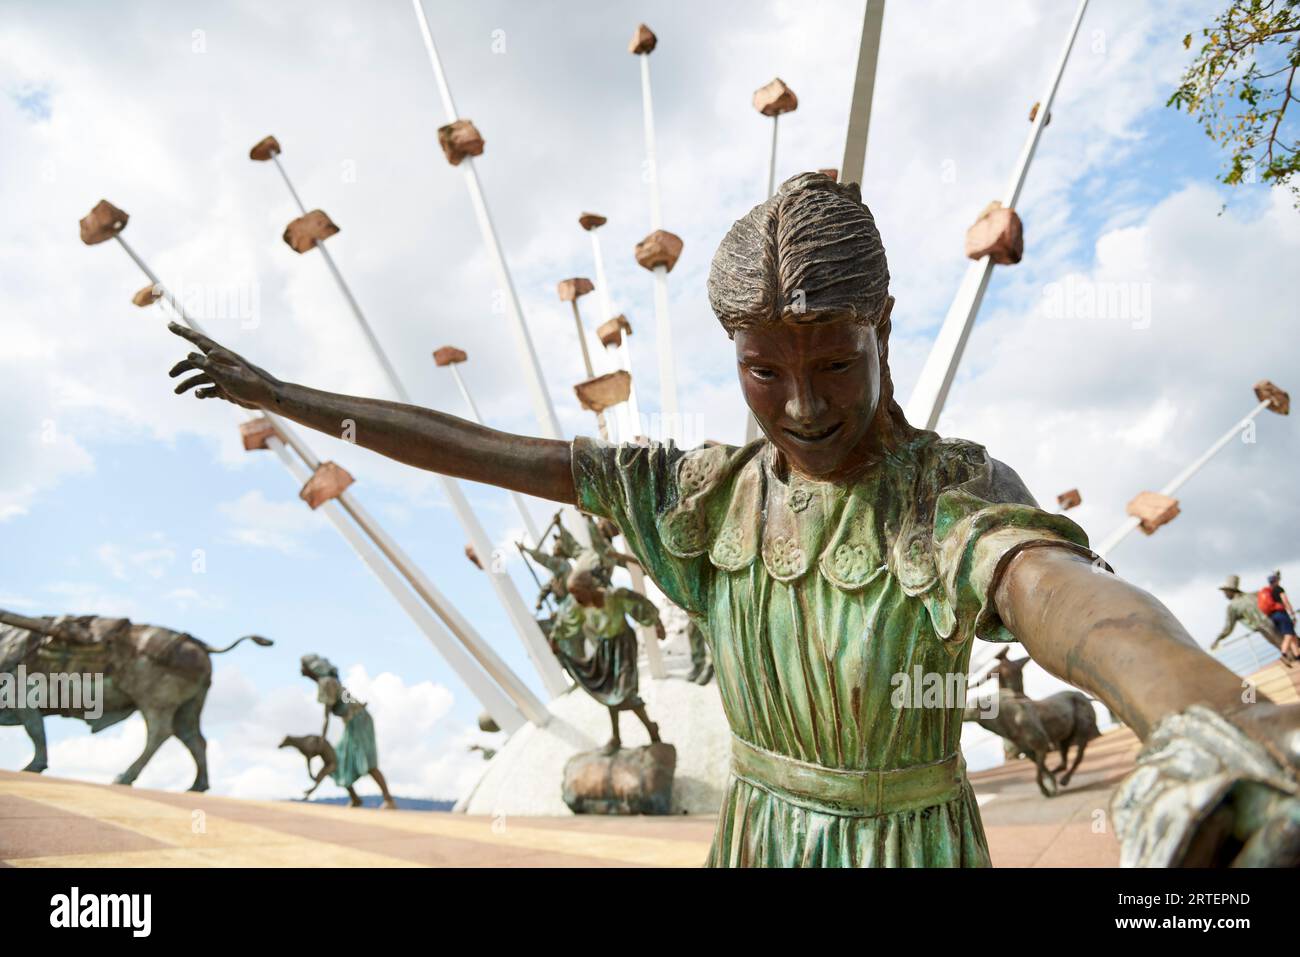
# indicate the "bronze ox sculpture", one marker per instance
pixel 1037 728
pixel 163 674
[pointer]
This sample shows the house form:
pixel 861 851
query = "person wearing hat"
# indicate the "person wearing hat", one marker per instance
pixel 1272 601
pixel 1243 608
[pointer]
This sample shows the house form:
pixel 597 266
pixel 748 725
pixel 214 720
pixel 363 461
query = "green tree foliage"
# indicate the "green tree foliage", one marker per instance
pixel 1239 86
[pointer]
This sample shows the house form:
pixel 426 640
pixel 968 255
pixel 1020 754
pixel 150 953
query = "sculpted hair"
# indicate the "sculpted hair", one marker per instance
pixel 810 252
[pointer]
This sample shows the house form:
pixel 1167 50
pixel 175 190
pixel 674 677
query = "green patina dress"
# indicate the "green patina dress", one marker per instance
pixel 813 597
pixel 598 648
pixel 357 750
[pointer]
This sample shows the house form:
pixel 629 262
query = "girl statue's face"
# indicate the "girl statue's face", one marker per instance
pixel 814 389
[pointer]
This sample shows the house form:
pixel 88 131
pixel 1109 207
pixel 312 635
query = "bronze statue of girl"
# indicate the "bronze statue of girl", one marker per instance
pixel 846 546
pixel 357 752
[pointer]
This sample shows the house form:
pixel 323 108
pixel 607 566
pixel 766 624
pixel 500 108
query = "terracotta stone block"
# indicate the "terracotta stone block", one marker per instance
pixel 102 223
pixel 598 394
pixel 147 296
pixel 1153 510
pixel 458 140
pixel 775 98
pixel 834 174
pixel 304 232
pixel 590 221
pixel 448 355
pixel 473 556
pixel 611 333
pixel 1278 400
pixel 265 149
pixel 643 40
pixel 629 781
pixel 997 234
pixel 571 289
pixel 255 433
pixel 487 723
pixel 1068 500
pixel 327 482
pixel 1033 115
pixel 660 248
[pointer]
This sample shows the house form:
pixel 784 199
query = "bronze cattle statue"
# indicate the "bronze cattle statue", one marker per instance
pixel 163 674
pixel 1037 728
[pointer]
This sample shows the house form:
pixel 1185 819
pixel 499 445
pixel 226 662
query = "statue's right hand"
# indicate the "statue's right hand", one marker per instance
pixel 222 373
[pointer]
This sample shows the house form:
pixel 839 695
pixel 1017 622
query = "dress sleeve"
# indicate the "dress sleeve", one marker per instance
pixel 980 525
pixel 639 608
pixel 632 485
pixel 328 691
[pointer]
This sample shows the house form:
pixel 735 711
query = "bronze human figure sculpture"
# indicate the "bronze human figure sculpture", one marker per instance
pixel 163 674
pixel 358 753
pixel 598 648
pixel 846 546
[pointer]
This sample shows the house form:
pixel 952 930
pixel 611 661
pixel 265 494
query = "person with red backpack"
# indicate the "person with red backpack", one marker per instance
pixel 1273 601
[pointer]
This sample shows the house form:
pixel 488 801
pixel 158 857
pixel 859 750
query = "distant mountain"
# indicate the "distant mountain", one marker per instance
pixel 403 803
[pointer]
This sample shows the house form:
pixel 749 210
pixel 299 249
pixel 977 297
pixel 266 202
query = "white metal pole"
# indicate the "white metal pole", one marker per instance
pixel 671 424
pixel 545 411
pixel 932 385
pixel 582 339
pixel 586 361
pixel 530 526
pixel 521 700
pixel 651 160
pixel 629 425
pixel 853 168
pixel 627 414
pixel 1176 483
pixel 771 159
pixel 547 420
pixel 530 633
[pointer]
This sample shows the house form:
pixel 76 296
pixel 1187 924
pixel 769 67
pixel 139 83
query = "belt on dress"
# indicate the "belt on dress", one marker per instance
pixel 848 793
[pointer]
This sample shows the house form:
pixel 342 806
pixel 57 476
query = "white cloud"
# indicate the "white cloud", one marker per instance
pixel 259 523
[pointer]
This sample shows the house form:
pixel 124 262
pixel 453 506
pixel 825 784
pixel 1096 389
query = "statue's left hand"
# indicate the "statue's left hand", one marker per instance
pixel 1211 790
pixel 224 374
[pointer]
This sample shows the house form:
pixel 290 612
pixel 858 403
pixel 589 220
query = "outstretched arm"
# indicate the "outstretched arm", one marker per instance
pixel 1229 623
pixel 410 434
pixel 1203 793
pixel 1110 638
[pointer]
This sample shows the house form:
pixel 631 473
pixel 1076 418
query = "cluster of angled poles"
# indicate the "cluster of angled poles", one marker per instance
pixel 995 239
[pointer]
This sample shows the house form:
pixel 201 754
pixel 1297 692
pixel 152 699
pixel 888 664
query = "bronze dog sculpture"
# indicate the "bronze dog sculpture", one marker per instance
pixel 313 746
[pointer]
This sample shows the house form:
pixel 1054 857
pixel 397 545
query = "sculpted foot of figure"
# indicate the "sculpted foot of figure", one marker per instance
pixel 844 521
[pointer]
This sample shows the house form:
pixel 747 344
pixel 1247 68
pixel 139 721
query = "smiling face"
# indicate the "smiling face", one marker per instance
pixel 814 389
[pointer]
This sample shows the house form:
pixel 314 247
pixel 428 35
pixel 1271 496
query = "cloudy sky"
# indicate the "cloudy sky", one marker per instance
pixel 1121 347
